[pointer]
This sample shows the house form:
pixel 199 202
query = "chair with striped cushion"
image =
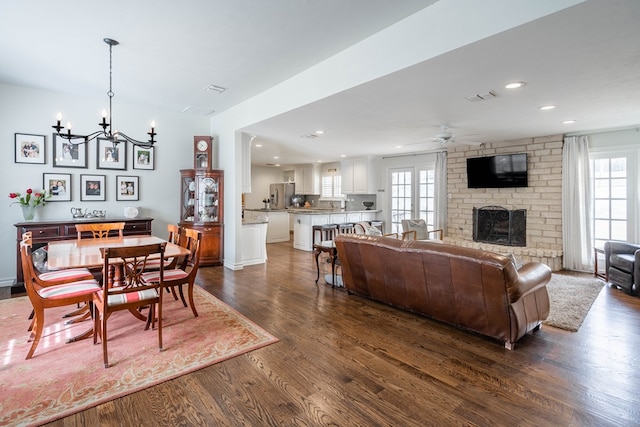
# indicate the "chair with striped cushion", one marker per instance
pixel 131 293
pixel 186 273
pixel 45 295
pixel 53 277
pixel 170 263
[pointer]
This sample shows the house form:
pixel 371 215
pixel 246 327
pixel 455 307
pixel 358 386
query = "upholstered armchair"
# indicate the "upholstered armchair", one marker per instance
pixel 416 229
pixel 622 264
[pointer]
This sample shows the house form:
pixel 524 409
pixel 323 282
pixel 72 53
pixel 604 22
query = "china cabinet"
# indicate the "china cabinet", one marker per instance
pixel 201 208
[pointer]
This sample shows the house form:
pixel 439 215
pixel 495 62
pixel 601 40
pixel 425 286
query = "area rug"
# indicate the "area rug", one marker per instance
pixel 63 379
pixel 570 299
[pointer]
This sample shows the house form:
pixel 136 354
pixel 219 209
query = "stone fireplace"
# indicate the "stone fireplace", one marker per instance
pixel 500 226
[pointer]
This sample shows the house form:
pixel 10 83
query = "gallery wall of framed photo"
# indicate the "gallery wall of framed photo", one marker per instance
pixel 32 149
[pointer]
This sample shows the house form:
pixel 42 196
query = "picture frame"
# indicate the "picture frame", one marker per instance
pixel 127 187
pixel 110 156
pixel 30 148
pixel 93 188
pixel 58 185
pixel 67 154
pixel 143 158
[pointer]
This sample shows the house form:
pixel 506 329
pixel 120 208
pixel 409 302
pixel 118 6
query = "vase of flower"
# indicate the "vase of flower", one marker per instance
pixel 28 212
pixel 29 202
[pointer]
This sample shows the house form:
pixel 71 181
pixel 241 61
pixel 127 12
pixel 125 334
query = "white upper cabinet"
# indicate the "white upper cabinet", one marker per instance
pixel 307 179
pixel 357 176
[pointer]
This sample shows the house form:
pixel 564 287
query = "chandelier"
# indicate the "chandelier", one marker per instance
pixel 114 136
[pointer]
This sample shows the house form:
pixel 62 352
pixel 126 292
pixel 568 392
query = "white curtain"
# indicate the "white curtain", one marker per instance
pixel 440 192
pixel 576 205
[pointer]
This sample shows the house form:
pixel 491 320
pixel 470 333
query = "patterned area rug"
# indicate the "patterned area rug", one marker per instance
pixel 63 379
pixel 570 300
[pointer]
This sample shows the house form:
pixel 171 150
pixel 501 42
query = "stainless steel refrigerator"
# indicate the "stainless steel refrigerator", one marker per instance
pixel 280 194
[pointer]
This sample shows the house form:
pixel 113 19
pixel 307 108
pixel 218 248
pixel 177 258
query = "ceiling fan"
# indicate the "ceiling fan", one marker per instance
pixel 445 137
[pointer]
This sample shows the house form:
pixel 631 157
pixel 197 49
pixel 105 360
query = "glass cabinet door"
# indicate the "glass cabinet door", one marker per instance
pixel 188 199
pixel 208 197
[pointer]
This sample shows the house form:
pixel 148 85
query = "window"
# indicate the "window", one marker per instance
pixel 412 200
pixel 331 187
pixel 611 208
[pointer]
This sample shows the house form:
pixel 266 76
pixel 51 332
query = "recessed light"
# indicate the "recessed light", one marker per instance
pixel 343 155
pixel 398 146
pixel 514 85
pixel 546 107
pixel 258 145
pixel 319 161
pixel 568 122
pixel 276 157
pixel 319 132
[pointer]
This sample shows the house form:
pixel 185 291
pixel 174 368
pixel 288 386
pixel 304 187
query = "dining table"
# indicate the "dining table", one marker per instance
pixel 87 253
pixel 77 253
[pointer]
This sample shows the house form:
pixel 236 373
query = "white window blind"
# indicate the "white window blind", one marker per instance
pixel 331 186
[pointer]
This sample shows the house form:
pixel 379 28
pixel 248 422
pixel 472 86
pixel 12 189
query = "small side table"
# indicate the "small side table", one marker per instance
pixel 329 247
pixel 604 276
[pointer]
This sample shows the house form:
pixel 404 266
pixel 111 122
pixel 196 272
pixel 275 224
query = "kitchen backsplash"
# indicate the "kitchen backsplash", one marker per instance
pixel 353 202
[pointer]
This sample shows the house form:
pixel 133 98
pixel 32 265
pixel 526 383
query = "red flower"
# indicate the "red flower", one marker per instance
pixel 13 195
pixel 29 191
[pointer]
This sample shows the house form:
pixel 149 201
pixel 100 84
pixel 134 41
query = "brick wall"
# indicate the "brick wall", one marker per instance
pixel 542 198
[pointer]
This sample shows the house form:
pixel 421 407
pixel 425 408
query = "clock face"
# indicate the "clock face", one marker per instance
pixel 202 145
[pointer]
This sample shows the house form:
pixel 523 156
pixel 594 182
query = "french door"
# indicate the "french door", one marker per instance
pixel 412 195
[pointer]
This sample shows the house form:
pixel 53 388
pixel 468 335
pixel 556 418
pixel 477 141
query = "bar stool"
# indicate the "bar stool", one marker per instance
pixel 379 225
pixel 348 227
pixel 327 232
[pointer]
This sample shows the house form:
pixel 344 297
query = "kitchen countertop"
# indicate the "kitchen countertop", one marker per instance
pixel 316 211
pixel 251 221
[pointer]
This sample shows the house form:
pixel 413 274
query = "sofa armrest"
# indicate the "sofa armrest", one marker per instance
pixel 531 277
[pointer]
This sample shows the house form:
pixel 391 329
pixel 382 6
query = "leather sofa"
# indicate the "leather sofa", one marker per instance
pixel 622 265
pixel 472 289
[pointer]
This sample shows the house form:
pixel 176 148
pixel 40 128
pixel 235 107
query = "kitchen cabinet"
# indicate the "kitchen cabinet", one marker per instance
pixel 254 249
pixel 278 228
pixel 357 176
pixel 201 208
pixel 303 223
pixel 307 179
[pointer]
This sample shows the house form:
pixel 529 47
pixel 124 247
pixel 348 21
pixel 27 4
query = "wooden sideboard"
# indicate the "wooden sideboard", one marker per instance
pixel 49 231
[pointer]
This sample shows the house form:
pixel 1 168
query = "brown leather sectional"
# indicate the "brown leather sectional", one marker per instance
pixel 472 289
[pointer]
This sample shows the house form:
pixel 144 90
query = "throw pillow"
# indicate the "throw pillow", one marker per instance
pixel 420 227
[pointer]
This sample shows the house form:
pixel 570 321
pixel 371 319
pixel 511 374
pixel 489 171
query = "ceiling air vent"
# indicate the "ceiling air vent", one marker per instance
pixel 481 96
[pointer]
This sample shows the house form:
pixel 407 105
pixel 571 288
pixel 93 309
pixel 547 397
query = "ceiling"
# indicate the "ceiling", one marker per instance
pixel 584 59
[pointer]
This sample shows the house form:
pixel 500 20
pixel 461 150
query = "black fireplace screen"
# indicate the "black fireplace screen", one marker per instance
pixel 495 224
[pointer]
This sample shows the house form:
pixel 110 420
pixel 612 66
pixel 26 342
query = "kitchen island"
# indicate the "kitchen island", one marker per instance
pixel 254 233
pixel 278 219
pixel 305 218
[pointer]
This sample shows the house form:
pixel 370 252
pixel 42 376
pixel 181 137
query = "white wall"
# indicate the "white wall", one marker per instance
pixel 33 111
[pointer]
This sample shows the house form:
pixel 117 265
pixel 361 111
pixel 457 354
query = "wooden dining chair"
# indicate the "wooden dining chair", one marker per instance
pixel 52 277
pixel 186 272
pixel 174 236
pixel 130 293
pixel 100 230
pixel 44 294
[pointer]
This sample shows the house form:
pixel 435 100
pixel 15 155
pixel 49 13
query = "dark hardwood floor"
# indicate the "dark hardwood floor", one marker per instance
pixel 346 361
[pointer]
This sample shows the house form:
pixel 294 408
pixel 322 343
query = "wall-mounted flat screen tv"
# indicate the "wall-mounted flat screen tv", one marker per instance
pixel 501 171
